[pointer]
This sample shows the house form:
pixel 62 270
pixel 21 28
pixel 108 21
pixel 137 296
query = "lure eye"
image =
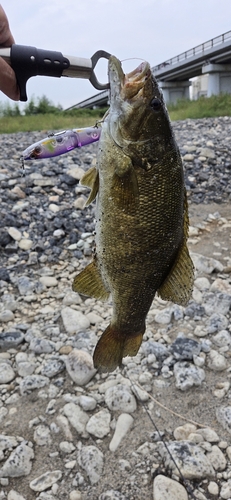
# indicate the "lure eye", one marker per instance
pixel 36 152
pixel 155 104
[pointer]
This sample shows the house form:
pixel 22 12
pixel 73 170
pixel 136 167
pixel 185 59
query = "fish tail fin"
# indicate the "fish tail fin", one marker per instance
pixel 113 346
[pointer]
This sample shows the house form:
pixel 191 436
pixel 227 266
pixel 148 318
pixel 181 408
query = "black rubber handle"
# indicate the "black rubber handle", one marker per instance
pixel 29 61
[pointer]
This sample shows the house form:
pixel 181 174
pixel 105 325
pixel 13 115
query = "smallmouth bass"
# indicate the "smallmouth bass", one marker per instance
pixel 141 214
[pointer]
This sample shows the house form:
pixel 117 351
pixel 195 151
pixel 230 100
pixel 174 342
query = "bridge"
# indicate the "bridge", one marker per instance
pixel 212 58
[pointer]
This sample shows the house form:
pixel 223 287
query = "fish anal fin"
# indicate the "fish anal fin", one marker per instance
pixel 113 346
pixel 91 180
pixel 178 285
pixel 89 282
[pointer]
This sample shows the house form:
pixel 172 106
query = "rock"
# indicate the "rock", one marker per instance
pixel 53 367
pixel 74 321
pixel 209 435
pixel 223 415
pixel 6 373
pixel 202 283
pixel 79 365
pixel 120 398
pixel 123 424
pixel 187 375
pixel 213 488
pixel 216 361
pixel 112 495
pixel 14 233
pixel 19 462
pixel 165 488
pixel 6 316
pixel 217 458
pixel 25 244
pixel 87 403
pixel 48 281
pixel 7 442
pixel 225 492
pixel 190 459
pixel 40 346
pixel 99 424
pixel 32 382
pixel 14 495
pixel 46 480
pixel 182 432
pixel 164 317
pixel 11 339
pixel 77 418
pixel 184 348
pixel 42 435
pixel 66 447
pixel 222 338
pixel 90 458
pixel 206 265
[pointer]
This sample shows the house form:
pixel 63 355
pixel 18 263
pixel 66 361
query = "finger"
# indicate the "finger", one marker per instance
pixel 6 37
pixel 8 82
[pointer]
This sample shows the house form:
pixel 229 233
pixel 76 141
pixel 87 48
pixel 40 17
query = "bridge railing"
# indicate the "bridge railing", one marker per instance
pixel 199 49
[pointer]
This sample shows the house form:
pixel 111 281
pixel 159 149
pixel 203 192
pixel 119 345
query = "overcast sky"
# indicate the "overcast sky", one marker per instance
pixel 154 30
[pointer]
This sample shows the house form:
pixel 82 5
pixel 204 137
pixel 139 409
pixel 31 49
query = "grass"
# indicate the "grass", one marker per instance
pixel 204 107
pixel 50 121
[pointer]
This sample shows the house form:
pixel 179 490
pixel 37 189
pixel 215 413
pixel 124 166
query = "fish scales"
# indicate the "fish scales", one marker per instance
pixel 141 214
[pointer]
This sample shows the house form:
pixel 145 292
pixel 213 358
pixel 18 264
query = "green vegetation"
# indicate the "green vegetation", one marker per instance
pixel 204 107
pixel 41 114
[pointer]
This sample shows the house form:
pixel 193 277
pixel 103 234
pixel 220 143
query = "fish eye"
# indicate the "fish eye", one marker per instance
pixel 155 104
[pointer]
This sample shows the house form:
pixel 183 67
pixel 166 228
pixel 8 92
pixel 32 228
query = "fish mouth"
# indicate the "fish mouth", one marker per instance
pixel 128 86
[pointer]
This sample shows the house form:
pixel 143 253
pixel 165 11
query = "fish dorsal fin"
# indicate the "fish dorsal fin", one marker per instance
pixel 178 285
pixel 89 282
pixel 91 180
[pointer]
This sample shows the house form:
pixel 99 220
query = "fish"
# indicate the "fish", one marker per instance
pixel 61 142
pixel 141 214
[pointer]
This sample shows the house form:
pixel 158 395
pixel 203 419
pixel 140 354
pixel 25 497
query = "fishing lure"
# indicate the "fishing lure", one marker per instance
pixel 61 142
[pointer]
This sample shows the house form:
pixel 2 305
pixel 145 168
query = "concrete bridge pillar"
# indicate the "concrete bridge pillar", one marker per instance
pixel 173 91
pixel 219 78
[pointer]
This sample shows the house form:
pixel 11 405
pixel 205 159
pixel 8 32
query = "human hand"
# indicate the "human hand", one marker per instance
pixel 8 82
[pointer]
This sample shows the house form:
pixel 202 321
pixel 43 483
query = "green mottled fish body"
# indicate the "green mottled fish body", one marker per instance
pixel 141 215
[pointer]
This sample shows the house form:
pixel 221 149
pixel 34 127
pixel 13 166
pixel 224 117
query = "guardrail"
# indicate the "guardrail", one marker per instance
pixel 199 49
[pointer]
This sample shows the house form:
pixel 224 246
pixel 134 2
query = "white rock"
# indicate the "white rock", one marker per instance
pixel 187 375
pixel 6 373
pixel 164 317
pixel 48 281
pixel 213 488
pixel 206 264
pixel 87 402
pixel 66 447
pixel 183 431
pixel 71 298
pixel 76 172
pixel 165 488
pixel 46 480
pixel 19 462
pixel 79 365
pixel 74 321
pixel 123 424
pixel 14 233
pixel 222 338
pixel 42 435
pixel 221 389
pixel 14 495
pixel 6 315
pixel 217 458
pixel 54 208
pixel 190 459
pixel 209 435
pixel 94 318
pixel 99 424
pixel 64 425
pixel 25 244
pixel 223 415
pixel 202 283
pixel 77 418
pixel 140 394
pixel 225 492
pixel 120 398
pixel 221 285
pixel 90 458
pixel 75 495
pixel 7 442
pixel 216 361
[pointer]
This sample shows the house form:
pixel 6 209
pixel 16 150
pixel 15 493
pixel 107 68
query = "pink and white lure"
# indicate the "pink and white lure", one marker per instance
pixel 61 142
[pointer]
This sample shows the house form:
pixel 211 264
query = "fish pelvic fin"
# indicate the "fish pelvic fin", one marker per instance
pixel 178 285
pixel 89 282
pixel 91 180
pixel 113 346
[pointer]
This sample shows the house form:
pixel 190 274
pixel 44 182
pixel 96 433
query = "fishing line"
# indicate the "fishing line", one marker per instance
pixel 184 482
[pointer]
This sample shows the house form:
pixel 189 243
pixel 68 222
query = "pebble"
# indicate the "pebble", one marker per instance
pixel 46 480
pixel 57 407
pixel 123 425
pixel 165 488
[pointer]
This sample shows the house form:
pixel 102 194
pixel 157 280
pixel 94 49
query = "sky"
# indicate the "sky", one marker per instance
pixel 154 30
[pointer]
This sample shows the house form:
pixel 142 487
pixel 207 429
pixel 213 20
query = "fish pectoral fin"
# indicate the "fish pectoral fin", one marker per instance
pixel 89 282
pixel 91 180
pixel 178 285
pixel 126 191
pixel 113 346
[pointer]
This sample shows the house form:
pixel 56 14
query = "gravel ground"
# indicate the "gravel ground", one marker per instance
pixel 67 432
